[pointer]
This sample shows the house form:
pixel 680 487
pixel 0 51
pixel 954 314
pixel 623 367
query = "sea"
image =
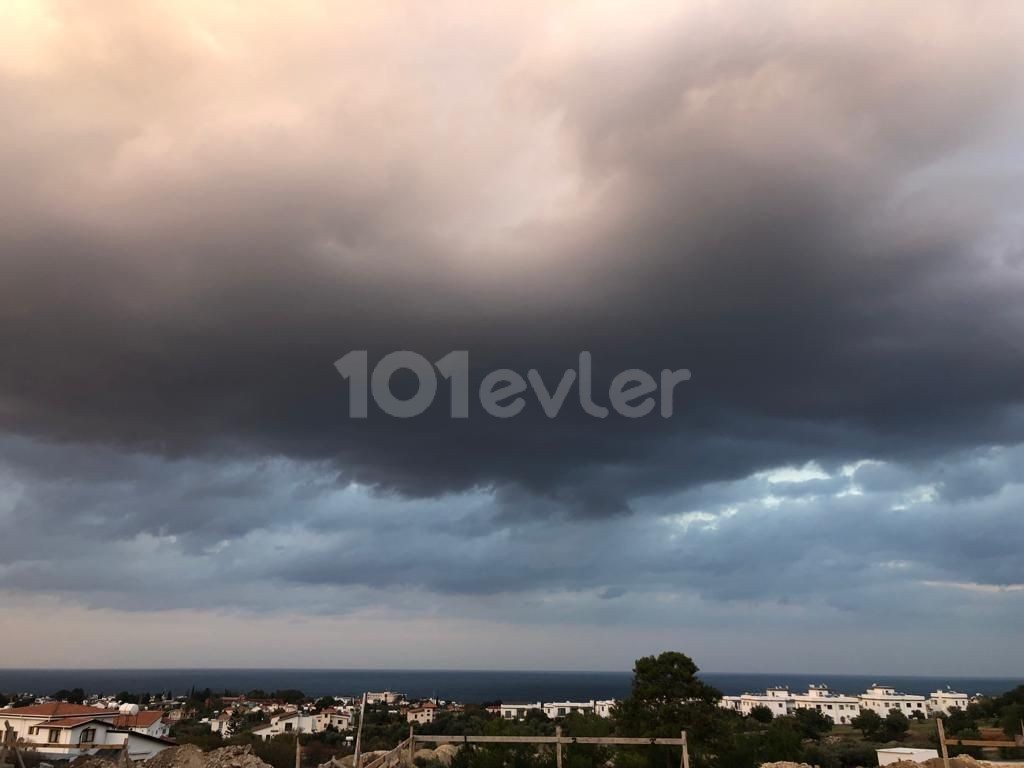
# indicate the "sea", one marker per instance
pixel 458 685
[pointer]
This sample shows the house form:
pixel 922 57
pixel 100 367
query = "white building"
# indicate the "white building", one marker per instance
pixel 604 708
pixel 517 710
pixel 147 721
pixel 291 723
pixel 944 702
pixel 334 717
pixel 221 723
pixel 422 714
pixel 778 701
pixel 563 708
pixel 882 698
pixel 836 707
pixel 384 697
pixel 65 731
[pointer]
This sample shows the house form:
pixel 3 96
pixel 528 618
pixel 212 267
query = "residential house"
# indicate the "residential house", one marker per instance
pixel 557 709
pixel 518 710
pixel 836 707
pixel 148 721
pixel 944 702
pixel 882 698
pixel 65 731
pixel 424 713
pixel 290 723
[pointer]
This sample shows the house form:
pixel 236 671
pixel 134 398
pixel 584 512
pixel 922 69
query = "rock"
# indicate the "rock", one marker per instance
pixel 190 756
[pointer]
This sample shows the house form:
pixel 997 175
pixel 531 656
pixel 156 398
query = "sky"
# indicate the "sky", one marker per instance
pixel 816 211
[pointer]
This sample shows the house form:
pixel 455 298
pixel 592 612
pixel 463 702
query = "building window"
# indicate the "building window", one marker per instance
pixel 88 736
pixel 54 735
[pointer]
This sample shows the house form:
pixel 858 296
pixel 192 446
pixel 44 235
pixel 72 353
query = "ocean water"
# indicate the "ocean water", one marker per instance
pixel 460 685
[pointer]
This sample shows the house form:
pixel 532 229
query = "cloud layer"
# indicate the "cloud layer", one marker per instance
pixel 817 213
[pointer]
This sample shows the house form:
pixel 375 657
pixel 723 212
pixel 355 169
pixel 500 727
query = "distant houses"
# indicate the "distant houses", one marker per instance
pixel 841 709
pixel 554 710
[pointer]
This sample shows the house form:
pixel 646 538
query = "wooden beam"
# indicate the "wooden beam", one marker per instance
pixel 942 742
pixel 558 746
pixel 981 743
pixel 608 740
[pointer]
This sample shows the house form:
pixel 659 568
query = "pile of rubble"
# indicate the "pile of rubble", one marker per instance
pixel 961 761
pixel 187 756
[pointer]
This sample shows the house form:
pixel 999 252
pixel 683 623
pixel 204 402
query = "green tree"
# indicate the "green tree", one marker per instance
pixel 782 741
pixel 958 722
pixel 812 724
pixel 668 697
pixel 895 725
pixel 1010 718
pixel 761 713
pixel 869 723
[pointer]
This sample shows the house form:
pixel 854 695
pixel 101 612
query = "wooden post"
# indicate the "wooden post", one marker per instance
pixel 357 759
pixel 298 751
pixel 558 747
pixel 685 759
pixel 942 742
pixel 412 746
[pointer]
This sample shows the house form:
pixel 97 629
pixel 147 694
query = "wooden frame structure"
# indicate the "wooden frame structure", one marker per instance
pixel 558 740
pixel 9 746
pixel 944 742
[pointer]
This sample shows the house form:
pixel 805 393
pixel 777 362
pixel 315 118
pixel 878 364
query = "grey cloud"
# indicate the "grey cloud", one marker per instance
pixel 769 216
pixel 816 214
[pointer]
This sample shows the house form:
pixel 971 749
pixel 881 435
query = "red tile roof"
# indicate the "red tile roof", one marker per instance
pixel 144 719
pixel 57 709
pixel 71 722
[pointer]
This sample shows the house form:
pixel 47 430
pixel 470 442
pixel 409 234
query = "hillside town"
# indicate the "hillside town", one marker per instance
pixel 288 729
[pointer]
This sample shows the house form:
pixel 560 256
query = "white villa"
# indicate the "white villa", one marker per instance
pixel 384 697
pixel 147 721
pixel 836 707
pixel 556 709
pixel 292 723
pixel 777 700
pixel 517 710
pixel 882 698
pixel 603 708
pixel 424 713
pixel 840 708
pixel 296 722
pixel 944 702
pixel 65 731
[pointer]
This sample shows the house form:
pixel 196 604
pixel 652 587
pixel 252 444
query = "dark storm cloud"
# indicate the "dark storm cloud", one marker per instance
pixel 818 215
pixel 810 218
